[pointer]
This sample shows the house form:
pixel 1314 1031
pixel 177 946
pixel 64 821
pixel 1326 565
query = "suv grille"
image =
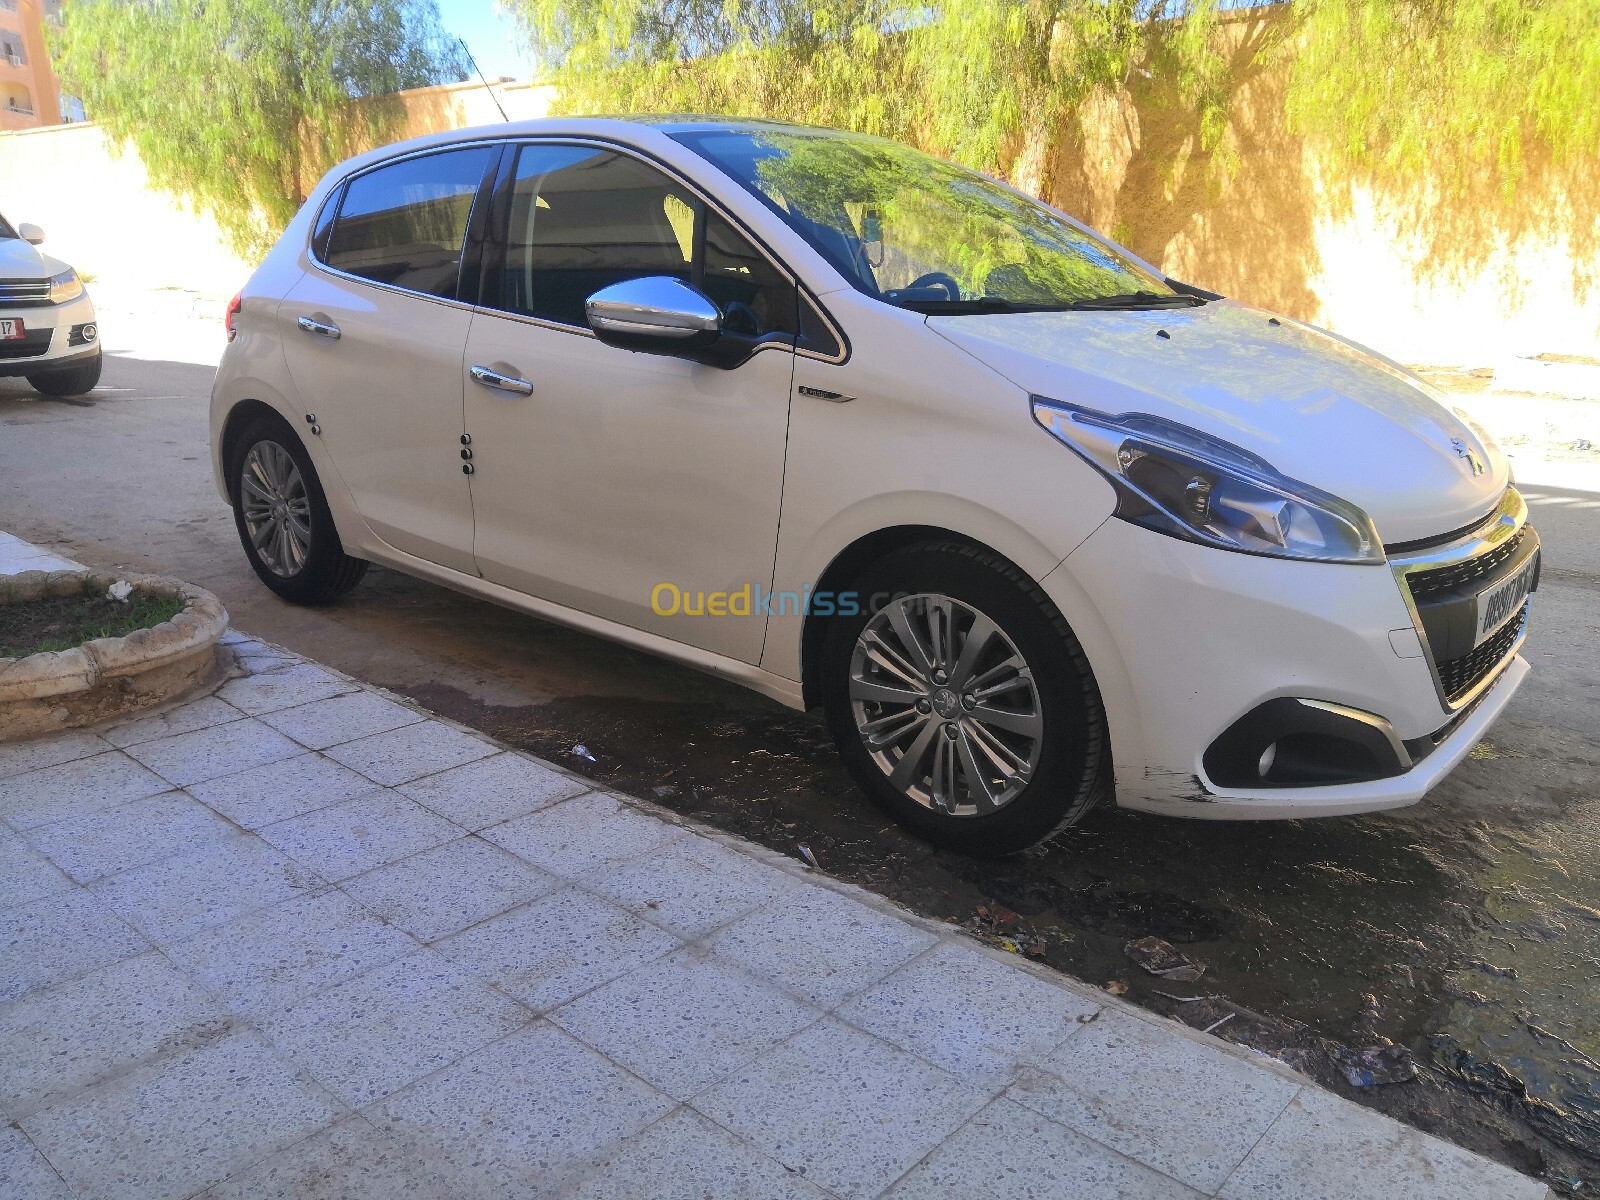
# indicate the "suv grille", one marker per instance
pixel 32 344
pixel 1427 584
pixel 1461 675
pixel 24 293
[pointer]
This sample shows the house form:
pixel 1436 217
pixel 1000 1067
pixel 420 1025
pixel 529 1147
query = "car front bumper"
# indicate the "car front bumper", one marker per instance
pixel 58 335
pixel 1189 642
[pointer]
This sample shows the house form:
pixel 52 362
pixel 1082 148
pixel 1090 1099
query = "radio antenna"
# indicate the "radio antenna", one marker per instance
pixel 486 85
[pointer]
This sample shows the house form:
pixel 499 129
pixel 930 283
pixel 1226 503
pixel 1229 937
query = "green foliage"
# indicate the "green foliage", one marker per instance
pixel 1470 116
pixel 240 105
pixel 1456 110
pixel 980 81
pixel 1450 90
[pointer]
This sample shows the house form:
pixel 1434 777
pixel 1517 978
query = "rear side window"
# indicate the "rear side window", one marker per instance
pixel 583 217
pixel 404 224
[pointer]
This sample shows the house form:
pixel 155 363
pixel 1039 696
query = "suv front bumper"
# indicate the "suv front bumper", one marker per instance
pixel 58 335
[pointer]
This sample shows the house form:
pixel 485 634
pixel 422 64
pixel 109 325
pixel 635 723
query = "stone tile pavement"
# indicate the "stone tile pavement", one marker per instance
pixel 296 938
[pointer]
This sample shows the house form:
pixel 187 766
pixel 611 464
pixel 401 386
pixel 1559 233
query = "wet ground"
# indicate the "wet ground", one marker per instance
pixel 1465 929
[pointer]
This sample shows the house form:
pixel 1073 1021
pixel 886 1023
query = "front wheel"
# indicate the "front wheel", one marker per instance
pixel 76 380
pixel 283 518
pixel 962 703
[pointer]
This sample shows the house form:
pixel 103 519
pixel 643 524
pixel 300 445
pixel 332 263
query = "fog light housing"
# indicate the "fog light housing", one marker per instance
pixel 83 335
pixel 1295 742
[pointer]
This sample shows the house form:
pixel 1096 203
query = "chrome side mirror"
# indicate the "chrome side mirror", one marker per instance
pixel 655 312
pixel 30 233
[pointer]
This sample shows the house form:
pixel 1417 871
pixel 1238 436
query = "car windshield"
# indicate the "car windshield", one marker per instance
pixel 5 230
pixel 922 233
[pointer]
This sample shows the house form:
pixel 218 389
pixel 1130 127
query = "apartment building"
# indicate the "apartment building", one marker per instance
pixel 29 94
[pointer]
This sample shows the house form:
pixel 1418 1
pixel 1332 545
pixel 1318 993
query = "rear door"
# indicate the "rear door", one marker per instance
pixel 375 339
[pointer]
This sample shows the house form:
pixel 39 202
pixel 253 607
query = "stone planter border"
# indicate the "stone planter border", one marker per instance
pixel 106 677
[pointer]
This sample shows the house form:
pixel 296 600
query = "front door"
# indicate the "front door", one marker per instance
pixel 375 344
pixel 636 487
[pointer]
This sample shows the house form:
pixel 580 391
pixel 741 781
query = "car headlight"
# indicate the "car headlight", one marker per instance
pixel 65 286
pixel 1188 484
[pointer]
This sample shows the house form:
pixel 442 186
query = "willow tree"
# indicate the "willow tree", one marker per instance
pixel 1476 119
pixel 983 81
pixel 1483 114
pixel 238 106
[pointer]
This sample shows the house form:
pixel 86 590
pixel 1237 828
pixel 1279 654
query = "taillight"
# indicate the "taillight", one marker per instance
pixel 234 306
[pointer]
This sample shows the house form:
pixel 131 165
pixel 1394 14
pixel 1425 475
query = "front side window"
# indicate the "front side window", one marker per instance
pixel 922 233
pixel 5 230
pixel 582 218
pixel 404 224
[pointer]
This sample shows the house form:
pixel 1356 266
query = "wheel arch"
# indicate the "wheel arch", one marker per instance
pixel 845 567
pixel 233 426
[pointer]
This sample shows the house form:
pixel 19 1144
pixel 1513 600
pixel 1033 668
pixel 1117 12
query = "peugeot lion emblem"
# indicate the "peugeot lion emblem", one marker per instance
pixel 1474 463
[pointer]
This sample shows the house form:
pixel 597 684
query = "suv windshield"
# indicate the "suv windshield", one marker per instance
pixel 922 233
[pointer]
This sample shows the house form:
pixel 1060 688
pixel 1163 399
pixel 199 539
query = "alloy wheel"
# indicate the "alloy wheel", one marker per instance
pixel 945 705
pixel 276 508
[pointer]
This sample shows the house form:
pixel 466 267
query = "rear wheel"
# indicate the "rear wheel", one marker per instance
pixel 283 518
pixel 67 381
pixel 963 705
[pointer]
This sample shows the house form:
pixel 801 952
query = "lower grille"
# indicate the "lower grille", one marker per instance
pixel 1460 675
pixel 32 344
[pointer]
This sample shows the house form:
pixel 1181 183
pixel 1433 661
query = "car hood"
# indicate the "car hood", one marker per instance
pixel 1318 408
pixel 21 260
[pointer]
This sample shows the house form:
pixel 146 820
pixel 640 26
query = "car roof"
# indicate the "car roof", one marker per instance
pixel 635 128
pixel 699 123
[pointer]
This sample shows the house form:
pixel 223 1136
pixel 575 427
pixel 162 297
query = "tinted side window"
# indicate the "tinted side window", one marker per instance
pixel 404 224
pixel 324 228
pixel 582 218
pixel 755 298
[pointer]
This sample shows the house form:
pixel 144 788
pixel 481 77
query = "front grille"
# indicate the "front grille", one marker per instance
pixel 1460 675
pixel 24 293
pixel 1427 584
pixel 32 344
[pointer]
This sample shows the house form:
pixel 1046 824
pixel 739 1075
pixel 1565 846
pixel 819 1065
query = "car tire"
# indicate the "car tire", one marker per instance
pixel 283 518
pixel 68 381
pixel 1025 752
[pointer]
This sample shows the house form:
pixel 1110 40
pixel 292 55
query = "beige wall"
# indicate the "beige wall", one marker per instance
pixel 1279 232
pixel 99 214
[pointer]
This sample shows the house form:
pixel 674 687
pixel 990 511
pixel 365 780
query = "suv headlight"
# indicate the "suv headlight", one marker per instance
pixel 1187 484
pixel 65 286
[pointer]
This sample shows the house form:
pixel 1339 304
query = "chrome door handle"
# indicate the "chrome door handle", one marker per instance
pixel 320 328
pixel 501 383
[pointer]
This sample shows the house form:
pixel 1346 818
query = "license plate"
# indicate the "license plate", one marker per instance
pixel 1504 600
pixel 11 329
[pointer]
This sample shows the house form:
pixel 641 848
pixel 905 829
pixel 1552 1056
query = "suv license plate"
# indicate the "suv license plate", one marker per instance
pixel 11 329
pixel 1502 602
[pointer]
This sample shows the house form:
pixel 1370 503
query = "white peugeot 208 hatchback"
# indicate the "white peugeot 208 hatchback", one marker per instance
pixel 861 429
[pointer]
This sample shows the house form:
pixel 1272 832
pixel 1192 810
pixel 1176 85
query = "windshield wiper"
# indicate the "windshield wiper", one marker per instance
pixel 1136 300
pixel 982 304
pixel 1129 301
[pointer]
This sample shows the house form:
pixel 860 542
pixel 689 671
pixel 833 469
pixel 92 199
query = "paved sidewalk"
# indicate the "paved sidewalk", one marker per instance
pixel 17 555
pixel 297 939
